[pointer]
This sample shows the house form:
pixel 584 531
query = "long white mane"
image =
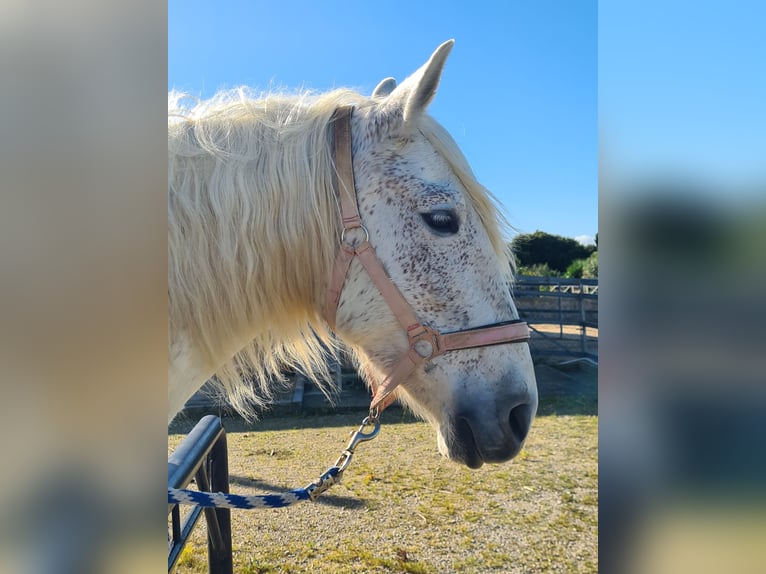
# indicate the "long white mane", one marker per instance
pixel 253 229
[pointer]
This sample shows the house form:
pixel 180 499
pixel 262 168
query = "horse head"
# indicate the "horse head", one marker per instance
pixel 253 230
pixel 438 235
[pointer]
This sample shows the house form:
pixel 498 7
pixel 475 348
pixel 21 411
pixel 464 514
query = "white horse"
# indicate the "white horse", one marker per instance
pixel 255 227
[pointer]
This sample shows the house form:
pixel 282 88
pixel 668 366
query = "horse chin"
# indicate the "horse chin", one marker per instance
pixel 461 446
pixel 475 440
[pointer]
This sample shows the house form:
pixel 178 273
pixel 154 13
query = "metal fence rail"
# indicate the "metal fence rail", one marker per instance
pixel 202 456
pixel 539 300
pixel 563 302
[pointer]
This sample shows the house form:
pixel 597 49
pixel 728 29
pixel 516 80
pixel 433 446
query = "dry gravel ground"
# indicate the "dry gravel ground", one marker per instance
pixel 403 508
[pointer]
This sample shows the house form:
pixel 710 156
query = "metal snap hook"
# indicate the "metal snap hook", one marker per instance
pixel 360 436
pixel 357 436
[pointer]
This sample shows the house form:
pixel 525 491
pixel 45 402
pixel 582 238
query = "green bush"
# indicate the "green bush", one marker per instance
pixel 575 269
pixel 590 269
pixel 537 270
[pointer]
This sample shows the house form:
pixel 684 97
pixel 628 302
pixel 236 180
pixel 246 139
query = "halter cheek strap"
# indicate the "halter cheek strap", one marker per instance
pixel 425 343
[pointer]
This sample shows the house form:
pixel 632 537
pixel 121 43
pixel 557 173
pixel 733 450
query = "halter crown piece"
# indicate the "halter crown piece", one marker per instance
pixel 425 343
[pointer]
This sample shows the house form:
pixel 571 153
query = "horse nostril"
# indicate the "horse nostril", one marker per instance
pixel 520 419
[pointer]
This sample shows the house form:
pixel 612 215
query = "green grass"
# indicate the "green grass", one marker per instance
pixel 404 508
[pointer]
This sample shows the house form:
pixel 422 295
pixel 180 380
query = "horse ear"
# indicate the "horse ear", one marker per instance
pixel 412 96
pixel 384 88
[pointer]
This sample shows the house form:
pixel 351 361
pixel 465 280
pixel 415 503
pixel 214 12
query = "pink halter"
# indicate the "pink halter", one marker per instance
pixel 425 343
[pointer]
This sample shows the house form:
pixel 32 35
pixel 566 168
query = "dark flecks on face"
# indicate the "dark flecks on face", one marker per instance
pixel 397 190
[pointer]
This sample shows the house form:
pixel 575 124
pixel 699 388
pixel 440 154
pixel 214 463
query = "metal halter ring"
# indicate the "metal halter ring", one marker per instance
pixel 360 226
pixel 425 342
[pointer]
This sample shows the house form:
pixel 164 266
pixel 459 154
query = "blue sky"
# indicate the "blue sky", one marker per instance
pixel 682 87
pixel 518 93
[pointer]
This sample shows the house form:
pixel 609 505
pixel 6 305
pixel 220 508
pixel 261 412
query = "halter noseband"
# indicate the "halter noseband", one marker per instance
pixel 425 343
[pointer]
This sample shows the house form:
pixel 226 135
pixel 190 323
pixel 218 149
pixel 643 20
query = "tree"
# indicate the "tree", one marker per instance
pixel 557 252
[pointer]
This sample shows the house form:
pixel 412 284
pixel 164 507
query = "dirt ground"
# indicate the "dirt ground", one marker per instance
pixel 567 329
pixel 404 508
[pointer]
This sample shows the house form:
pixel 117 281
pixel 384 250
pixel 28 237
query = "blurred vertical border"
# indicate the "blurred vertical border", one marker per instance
pixel 83 294
pixel 83 286
pixel 682 230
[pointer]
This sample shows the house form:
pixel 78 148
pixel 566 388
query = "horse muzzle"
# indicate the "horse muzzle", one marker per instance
pixel 476 435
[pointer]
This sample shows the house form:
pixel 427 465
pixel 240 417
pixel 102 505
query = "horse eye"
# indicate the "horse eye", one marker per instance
pixel 442 221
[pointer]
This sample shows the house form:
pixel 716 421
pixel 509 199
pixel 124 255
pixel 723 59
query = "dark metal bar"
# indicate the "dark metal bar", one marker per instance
pixel 176 523
pixel 220 557
pixel 213 528
pixel 202 455
pixel 188 526
pixel 184 461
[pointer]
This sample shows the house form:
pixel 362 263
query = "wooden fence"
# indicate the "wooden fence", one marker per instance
pixel 562 314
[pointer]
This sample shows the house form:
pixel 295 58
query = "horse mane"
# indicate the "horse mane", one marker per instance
pixel 244 172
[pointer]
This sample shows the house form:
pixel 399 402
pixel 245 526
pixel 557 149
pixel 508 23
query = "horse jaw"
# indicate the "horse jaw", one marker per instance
pixel 481 402
pixel 480 415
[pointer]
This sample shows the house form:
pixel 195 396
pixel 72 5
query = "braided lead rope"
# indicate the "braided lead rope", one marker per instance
pixel 248 502
pixel 311 492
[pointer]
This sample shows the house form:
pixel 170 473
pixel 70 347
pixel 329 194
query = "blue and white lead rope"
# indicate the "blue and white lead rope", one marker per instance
pixel 247 502
pixel 221 500
pixel 311 492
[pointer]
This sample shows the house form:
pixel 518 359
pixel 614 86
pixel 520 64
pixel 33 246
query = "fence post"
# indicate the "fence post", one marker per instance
pixel 561 314
pixel 583 338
